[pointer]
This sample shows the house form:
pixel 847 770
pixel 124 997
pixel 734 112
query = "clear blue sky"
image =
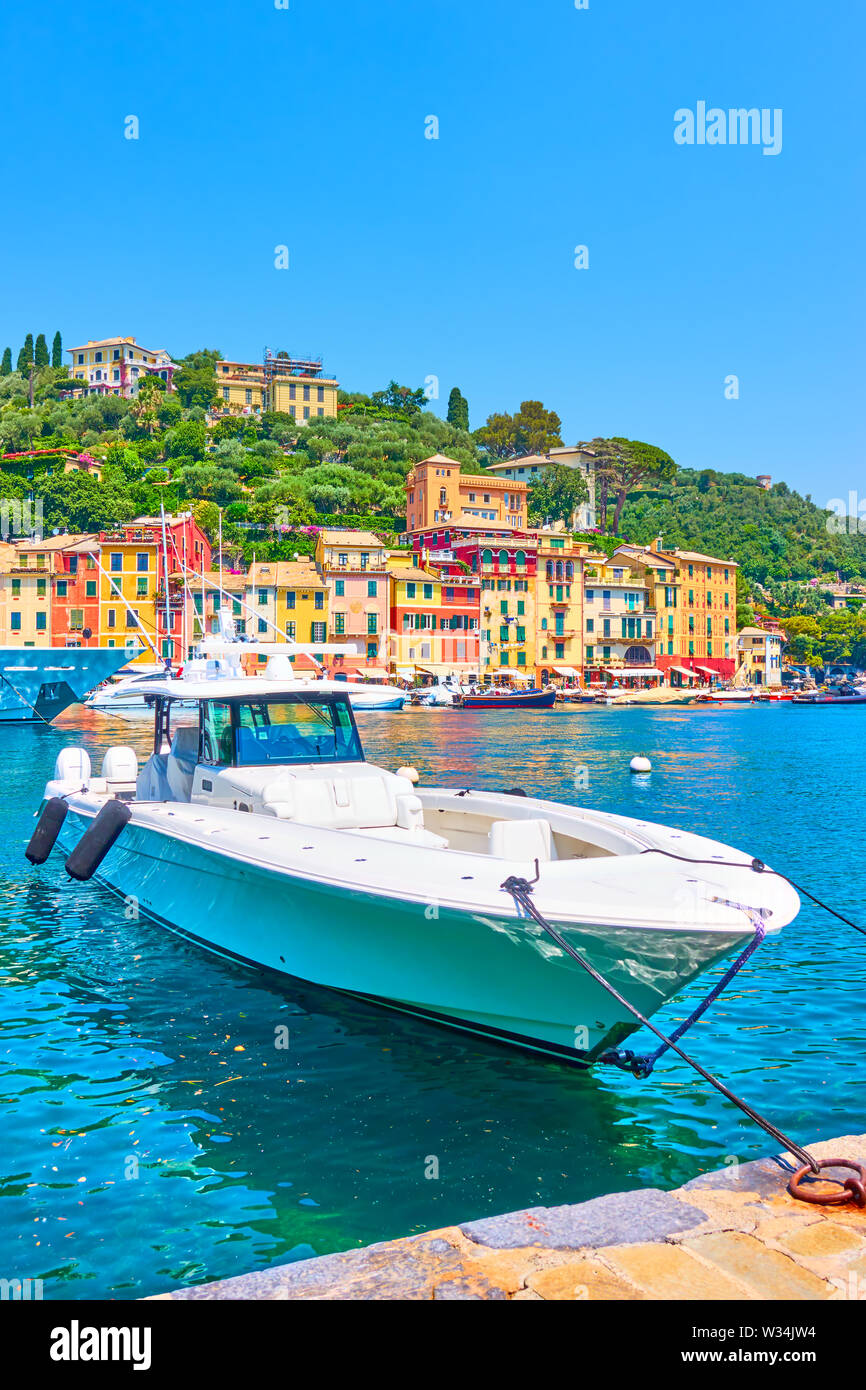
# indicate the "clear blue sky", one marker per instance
pixel 413 257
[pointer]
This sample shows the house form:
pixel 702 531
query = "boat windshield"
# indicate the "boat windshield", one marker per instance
pixel 295 731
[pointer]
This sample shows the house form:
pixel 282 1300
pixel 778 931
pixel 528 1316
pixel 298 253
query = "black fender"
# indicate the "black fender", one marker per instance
pixel 44 837
pixel 97 840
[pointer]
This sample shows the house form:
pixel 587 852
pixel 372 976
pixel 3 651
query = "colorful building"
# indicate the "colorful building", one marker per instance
pixel 559 606
pixel 75 598
pixel 707 635
pixel 290 602
pixel 132 586
pixel 116 366
pixel 434 623
pixel 438 494
pixel 619 625
pixel 354 565
pixel 294 386
pixel 760 654
pixel 531 468
pixel 25 586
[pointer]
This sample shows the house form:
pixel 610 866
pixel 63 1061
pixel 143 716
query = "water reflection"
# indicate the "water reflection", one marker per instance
pixel 154 1133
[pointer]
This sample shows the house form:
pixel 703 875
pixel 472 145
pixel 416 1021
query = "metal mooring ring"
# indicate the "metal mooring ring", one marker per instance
pixel 853 1190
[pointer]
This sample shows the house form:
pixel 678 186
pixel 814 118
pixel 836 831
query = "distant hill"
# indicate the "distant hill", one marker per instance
pixel 775 534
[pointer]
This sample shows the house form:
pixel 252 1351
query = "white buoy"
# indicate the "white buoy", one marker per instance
pixel 410 773
pixel 640 764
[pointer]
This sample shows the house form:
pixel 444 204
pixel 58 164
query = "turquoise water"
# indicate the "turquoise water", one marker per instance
pixel 151 1134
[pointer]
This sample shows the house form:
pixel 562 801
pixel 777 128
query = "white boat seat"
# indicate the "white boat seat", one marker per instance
pixel 181 762
pixel 120 769
pixel 524 840
pixel 363 801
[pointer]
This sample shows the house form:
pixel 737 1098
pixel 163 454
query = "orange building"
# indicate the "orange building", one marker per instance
pixel 437 494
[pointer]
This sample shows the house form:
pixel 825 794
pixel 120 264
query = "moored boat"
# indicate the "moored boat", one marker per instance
pixel 544 698
pixel 39 683
pixel 260 831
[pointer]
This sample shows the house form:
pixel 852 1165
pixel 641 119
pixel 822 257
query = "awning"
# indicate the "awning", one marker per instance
pixel 566 671
pixel 707 670
pixel 634 670
pixel 682 671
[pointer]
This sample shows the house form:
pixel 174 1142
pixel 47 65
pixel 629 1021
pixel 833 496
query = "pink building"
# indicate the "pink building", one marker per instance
pixel 354 564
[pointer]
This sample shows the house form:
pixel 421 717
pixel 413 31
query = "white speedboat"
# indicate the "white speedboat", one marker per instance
pixel 261 832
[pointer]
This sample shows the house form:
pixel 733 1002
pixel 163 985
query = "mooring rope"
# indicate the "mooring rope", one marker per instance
pixel 521 891
pixel 759 867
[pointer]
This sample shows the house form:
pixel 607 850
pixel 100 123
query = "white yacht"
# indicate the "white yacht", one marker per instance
pixel 260 831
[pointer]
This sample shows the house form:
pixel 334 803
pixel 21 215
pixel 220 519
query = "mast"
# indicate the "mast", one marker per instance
pixel 165 582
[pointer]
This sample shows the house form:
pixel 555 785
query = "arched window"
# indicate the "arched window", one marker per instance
pixel 487 557
pixel 569 570
pixel 520 558
pixel 637 656
pixel 548 569
pixel 559 569
pixel 503 558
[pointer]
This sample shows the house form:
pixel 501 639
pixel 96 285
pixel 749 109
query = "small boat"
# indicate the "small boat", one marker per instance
pixel 39 683
pixel 857 697
pixel 260 831
pixel 544 698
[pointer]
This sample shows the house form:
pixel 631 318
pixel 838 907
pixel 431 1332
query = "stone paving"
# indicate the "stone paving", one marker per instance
pixel 734 1234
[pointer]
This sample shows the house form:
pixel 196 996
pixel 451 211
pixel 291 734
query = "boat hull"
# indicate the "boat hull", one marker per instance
pixel 530 699
pixel 39 683
pixel 491 974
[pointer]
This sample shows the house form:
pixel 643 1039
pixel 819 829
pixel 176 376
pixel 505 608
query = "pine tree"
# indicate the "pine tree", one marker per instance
pixel 40 352
pixel 458 409
pixel 6 365
pixel 57 350
pixel 25 356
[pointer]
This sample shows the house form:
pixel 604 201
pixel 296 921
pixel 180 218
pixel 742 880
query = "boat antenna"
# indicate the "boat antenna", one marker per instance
pixel 253 613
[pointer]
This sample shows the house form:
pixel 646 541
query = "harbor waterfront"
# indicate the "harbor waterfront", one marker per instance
pixel 142 1073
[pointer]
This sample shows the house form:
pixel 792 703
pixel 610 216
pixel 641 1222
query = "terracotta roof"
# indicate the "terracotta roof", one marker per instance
pixel 354 538
pixel 704 559
pixel 412 572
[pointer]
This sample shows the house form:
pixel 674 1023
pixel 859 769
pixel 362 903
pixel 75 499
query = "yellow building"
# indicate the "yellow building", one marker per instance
pixel 760 654
pixel 289 599
pixel 115 366
pixel 25 595
pixel 293 386
pixel 619 623
pixel 707 612
pixel 559 608
pixel 131 563
pixel 695 598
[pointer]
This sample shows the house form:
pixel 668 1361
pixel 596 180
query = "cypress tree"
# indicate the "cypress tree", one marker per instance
pixel 25 356
pixel 6 365
pixel 458 409
pixel 57 350
pixel 41 357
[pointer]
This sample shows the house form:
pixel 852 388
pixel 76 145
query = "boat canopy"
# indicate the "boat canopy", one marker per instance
pixel 262 687
pixel 634 671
